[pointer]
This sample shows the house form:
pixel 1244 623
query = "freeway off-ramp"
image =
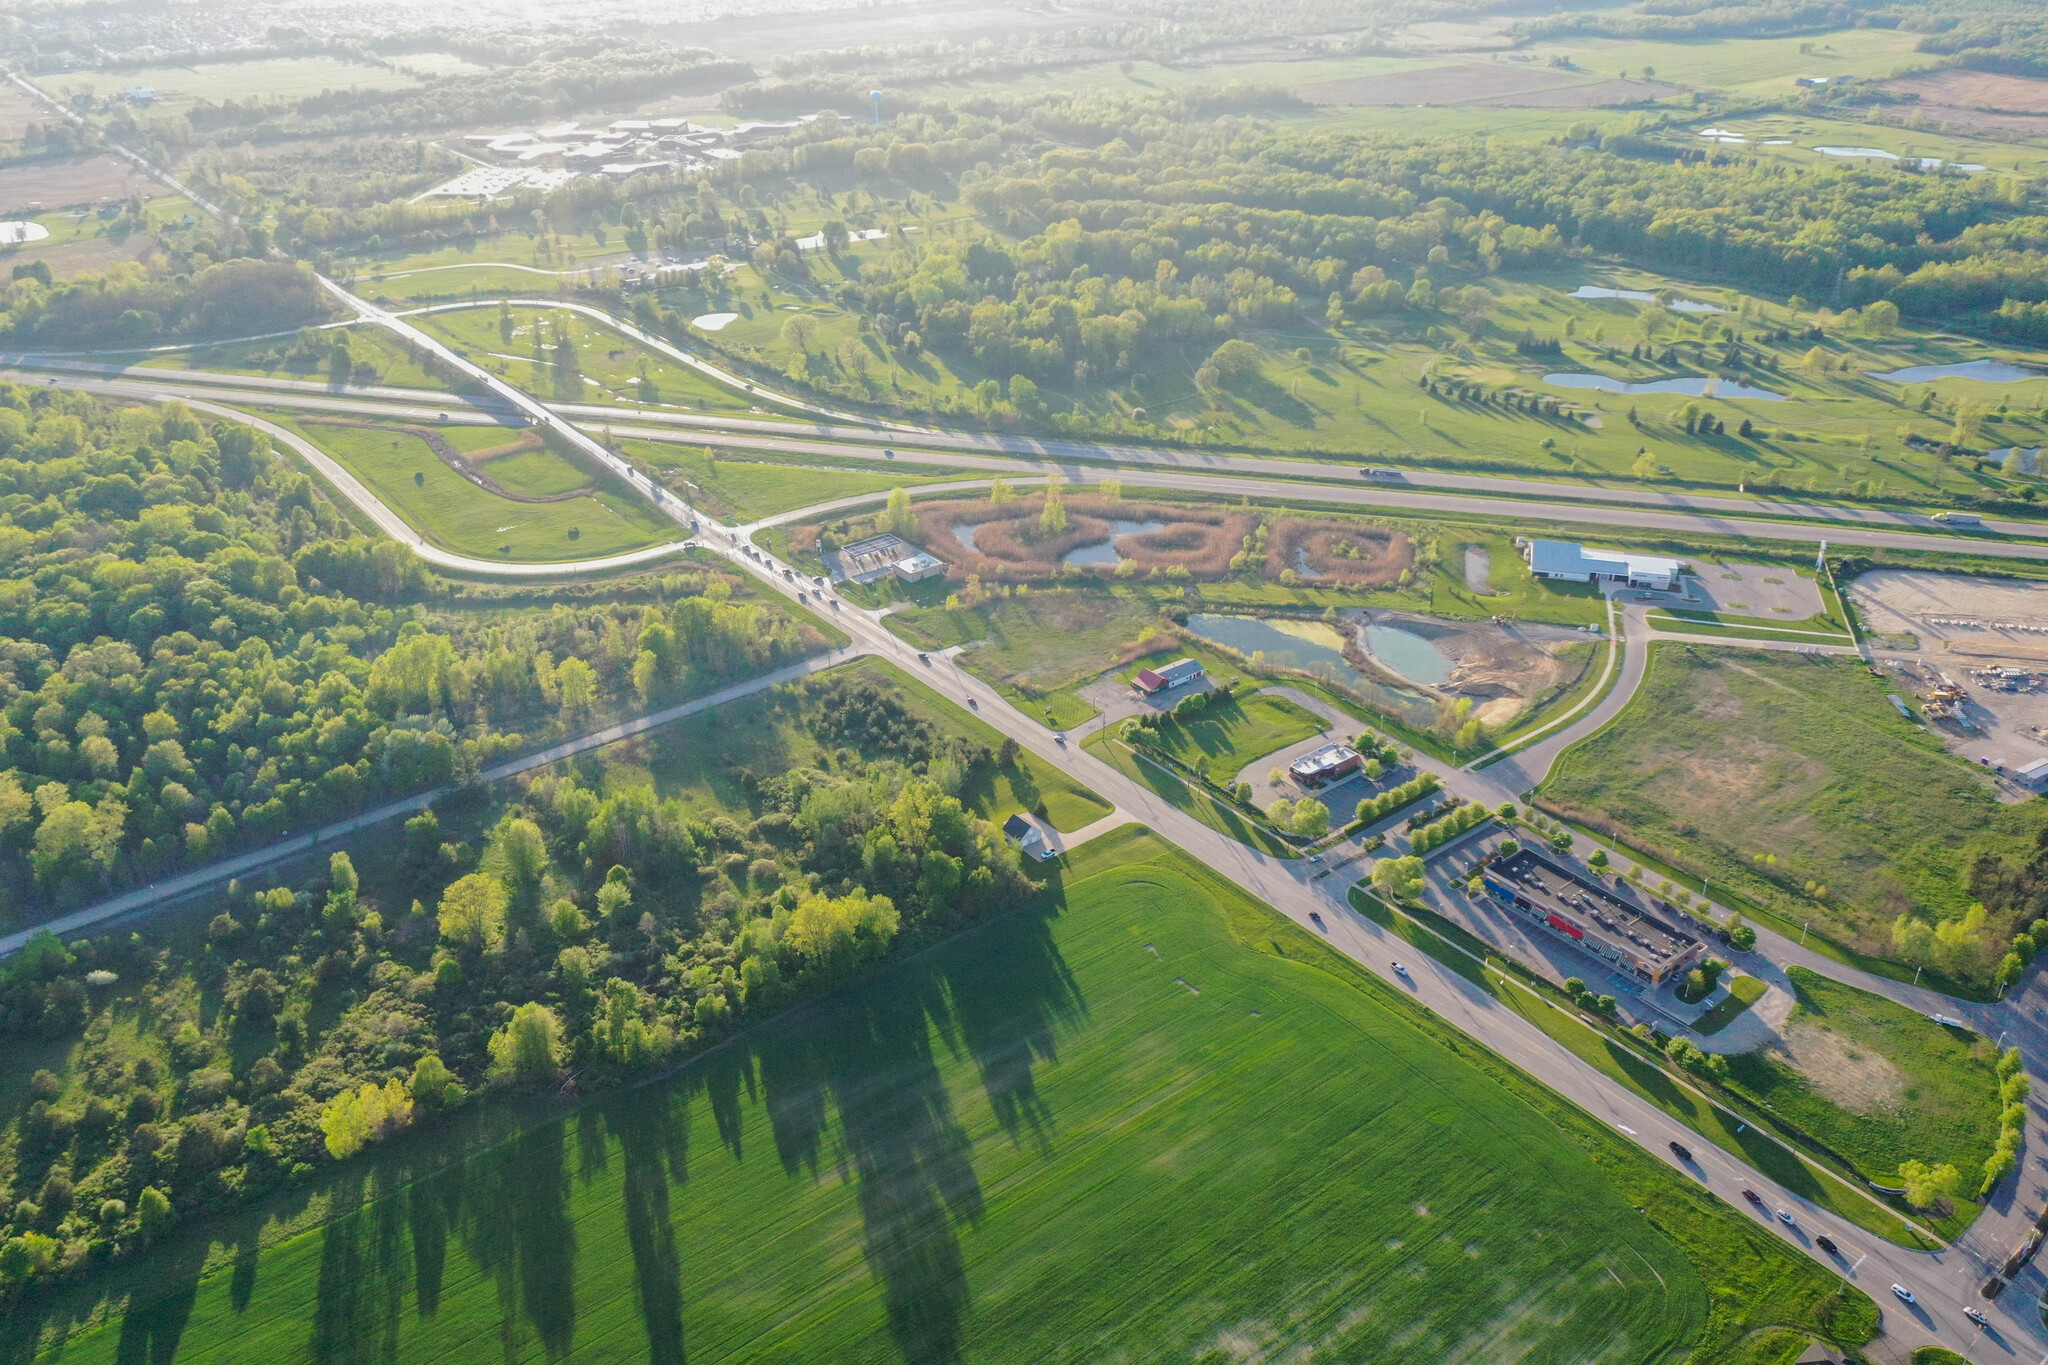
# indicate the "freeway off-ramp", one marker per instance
pixel 1945 1280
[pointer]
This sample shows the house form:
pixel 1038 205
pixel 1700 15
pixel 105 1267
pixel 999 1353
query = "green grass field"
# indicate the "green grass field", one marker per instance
pixel 1791 780
pixel 736 489
pixel 1230 736
pixel 1879 1083
pixel 1743 991
pixel 609 364
pixel 451 511
pixel 1152 1122
pixel 1217 814
pixel 267 78
pixel 368 345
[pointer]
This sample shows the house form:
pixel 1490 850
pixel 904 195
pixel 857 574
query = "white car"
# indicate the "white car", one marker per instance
pixel 1974 1316
pixel 1402 970
pixel 1905 1294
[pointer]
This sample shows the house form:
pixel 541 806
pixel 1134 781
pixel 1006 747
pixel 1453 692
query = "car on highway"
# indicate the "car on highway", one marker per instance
pixel 1402 970
pixel 924 658
pixel 1681 1151
pixel 888 454
pixel 1753 1197
pixel 1060 739
pixel 1785 1217
pixel 1905 1294
pixel 1970 1312
pixel 1827 1244
pixel 1315 917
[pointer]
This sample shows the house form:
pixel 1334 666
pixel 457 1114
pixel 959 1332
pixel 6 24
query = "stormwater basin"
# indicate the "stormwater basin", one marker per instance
pixel 1104 551
pixel 1987 371
pixel 1596 291
pixel 1408 654
pixel 1693 386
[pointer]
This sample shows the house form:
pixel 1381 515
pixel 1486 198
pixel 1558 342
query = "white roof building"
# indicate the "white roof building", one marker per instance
pixel 1574 563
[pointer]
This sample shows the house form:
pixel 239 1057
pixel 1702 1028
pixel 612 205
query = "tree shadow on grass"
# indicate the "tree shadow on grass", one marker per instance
pixel 654 1148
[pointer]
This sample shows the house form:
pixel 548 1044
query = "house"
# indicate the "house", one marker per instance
pixel 2034 776
pixel 139 94
pixel 1331 763
pixel 1027 836
pixel 1570 562
pixel 1179 673
pixel 864 561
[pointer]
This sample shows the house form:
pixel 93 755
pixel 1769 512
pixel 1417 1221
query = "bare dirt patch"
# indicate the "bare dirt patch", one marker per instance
pixel 1977 90
pixel 71 181
pixel 1856 1078
pixel 1483 83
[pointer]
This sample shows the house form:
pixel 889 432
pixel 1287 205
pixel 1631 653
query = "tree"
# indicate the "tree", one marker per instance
pixel 472 912
pixel 1927 1185
pixel 1882 318
pixel 341 890
pixel 1000 492
pixel 356 1118
pixel 577 681
pixel 1398 878
pixel 838 936
pixel 519 855
pixel 154 1213
pixel 798 330
pixel 1645 466
pixel 1024 396
pixel 433 1085
pixel 898 516
pixel 528 1049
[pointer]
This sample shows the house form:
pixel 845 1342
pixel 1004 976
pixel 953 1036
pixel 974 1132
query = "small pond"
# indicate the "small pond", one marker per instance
pixel 1318 650
pixel 964 533
pixel 1104 551
pixel 1595 291
pixel 1693 386
pixel 1408 654
pixel 1926 163
pixel 1989 371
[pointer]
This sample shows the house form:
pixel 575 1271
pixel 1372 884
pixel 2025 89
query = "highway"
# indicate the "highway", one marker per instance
pixel 1661 514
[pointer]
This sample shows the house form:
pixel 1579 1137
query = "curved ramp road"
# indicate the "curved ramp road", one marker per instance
pixel 395 526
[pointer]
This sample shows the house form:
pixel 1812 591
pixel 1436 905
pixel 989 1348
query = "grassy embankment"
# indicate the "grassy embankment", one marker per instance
pixel 856 1191
pixel 451 511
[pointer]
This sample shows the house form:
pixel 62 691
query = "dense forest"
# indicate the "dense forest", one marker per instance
pixel 188 661
pixel 578 926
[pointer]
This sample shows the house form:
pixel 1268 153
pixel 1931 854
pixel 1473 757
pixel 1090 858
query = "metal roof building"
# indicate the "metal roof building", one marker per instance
pixel 1572 562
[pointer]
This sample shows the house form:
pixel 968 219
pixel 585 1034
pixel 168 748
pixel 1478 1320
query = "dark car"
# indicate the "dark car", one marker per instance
pixel 1316 918
pixel 1753 1197
pixel 923 657
pixel 1827 1244
pixel 1681 1151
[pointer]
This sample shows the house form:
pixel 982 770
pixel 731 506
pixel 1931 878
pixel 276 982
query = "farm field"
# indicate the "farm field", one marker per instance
pixel 1791 780
pixel 449 510
pixel 854 1191
pixel 180 87
pixel 67 181
pixel 1877 1082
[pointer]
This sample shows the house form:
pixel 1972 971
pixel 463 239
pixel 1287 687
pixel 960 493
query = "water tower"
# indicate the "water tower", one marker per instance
pixel 876 96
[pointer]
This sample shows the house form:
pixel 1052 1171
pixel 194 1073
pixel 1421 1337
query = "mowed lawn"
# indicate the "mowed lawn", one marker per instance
pixel 1231 735
pixel 1791 778
pixel 451 511
pixel 1112 1129
pixel 737 490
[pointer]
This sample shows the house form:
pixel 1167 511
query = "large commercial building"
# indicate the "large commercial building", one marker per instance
pixel 1570 562
pixel 1592 916
pixel 864 561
